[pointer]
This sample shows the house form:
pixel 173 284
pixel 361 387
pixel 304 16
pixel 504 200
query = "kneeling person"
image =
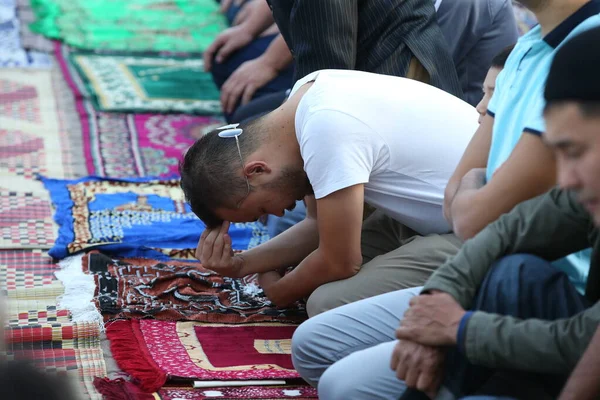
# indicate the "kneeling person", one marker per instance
pixel 342 139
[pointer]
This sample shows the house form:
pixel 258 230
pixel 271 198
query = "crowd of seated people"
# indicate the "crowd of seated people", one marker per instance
pixel 432 178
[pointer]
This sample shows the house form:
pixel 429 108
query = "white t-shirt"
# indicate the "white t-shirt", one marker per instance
pixel 401 138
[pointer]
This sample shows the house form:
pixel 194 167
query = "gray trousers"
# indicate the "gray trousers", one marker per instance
pixel 347 352
pixel 394 257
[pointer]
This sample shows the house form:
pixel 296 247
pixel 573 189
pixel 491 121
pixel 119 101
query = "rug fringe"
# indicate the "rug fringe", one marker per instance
pixel 119 389
pixel 129 351
pixel 79 291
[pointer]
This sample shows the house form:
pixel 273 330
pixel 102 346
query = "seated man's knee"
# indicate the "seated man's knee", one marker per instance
pixel 336 384
pixel 307 353
pixel 360 376
pixel 526 286
pixel 322 299
pixel 222 71
pixel 526 268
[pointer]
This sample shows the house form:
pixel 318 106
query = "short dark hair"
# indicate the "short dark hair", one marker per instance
pixel 499 61
pixel 573 75
pixel 210 171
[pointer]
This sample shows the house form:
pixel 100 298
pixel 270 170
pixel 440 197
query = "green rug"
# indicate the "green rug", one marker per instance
pixel 147 84
pixel 130 25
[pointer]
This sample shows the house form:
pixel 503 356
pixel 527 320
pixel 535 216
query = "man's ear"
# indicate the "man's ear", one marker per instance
pixel 254 168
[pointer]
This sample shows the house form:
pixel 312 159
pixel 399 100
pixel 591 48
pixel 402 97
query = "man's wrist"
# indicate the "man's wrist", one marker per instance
pixel 249 28
pixel 266 62
pixel 243 267
pixel 268 281
pixel 271 59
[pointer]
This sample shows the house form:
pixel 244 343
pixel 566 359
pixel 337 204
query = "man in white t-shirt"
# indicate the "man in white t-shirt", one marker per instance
pixel 344 138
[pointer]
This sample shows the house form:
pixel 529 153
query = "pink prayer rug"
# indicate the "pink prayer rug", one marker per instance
pixel 154 352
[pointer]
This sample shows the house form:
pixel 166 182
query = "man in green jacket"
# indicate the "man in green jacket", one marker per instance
pixel 497 319
pixel 526 319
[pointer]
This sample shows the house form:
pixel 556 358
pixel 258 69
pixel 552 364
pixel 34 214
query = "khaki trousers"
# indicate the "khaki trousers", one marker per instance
pixel 394 257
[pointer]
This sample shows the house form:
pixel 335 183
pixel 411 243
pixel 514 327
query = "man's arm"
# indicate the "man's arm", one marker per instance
pixel 255 74
pixel 277 55
pixel 475 157
pixel 528 172
pixel 338 255
pixel 550 226
pixel 584 383
pixel 259 19
pixel 238 36
pixel 555 347
pixel 286 249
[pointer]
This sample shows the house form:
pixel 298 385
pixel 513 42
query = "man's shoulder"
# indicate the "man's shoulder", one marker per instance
pixel 524 44
pixel 587 24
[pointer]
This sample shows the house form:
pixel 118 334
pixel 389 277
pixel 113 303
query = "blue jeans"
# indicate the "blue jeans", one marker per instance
pixel 233 11
pixel 525 287
pixel 346 351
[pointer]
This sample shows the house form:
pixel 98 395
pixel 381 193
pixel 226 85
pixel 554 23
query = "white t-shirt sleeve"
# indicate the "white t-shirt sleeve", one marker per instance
pixel 338 150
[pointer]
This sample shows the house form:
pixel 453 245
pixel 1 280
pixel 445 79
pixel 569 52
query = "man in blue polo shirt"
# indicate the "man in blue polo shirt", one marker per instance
pixel 485 187
pixel 532 59
pixel 345 351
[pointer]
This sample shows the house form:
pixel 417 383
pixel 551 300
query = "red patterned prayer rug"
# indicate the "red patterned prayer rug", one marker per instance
pixel 248 392
pixel 120 389
pixel 121 145
pixel 153 352
pixel 171 290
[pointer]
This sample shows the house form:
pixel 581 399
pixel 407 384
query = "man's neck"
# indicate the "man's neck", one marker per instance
pixel 281 124
pixel 281 143
pixel 555 12
pixel 282 120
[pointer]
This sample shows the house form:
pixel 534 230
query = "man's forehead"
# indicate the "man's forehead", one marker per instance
pixel 565 125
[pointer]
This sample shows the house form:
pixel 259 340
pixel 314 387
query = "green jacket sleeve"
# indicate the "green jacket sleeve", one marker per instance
pixel 550 226
pixel 530 345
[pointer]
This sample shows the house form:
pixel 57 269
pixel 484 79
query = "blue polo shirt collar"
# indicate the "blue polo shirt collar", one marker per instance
pixel 563 30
